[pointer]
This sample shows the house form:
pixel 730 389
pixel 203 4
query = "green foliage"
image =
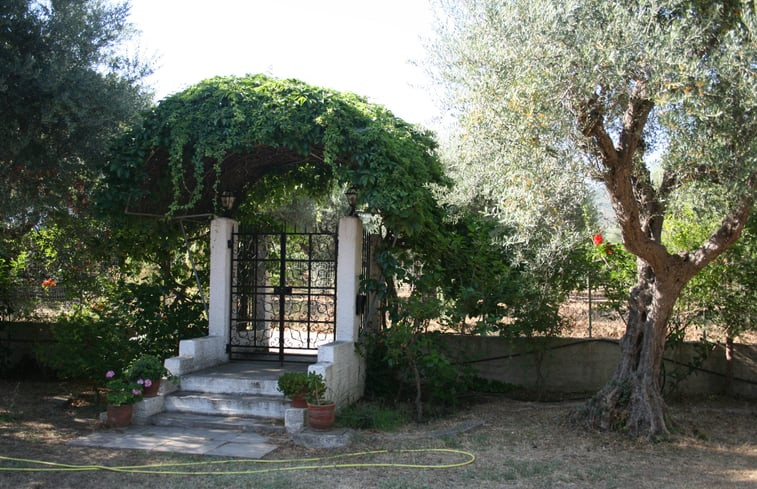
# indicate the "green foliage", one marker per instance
pixel 613 270
pixel 723 296
pixel 65 91
pixel 86 346
pixel 121 389
pixel 146 367
pixel 293 384
pixel 155 315
pixel 459 280
pixel 227 133
pixel 405 364
pixel 132 319
pixel 316 389
pixel 10 269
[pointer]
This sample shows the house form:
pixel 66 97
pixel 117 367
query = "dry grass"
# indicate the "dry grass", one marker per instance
pixel 519 445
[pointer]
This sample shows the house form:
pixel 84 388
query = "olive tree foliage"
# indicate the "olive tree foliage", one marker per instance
pixel 541 210
pixel 66 88
pixel 601 87
pixel 503 172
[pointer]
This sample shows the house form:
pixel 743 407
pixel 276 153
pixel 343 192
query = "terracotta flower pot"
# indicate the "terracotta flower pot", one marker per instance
pixel 119 416
pixel 151 391
pixel 321 416
pixel 299 401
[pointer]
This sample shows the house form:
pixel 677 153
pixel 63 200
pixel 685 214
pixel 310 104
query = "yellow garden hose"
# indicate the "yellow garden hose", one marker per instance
pixel 315 463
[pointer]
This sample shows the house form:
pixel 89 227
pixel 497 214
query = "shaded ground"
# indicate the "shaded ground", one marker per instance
pixel 520 444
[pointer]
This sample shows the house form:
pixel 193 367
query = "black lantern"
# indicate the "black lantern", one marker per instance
pixel 227 201
pixel 351 194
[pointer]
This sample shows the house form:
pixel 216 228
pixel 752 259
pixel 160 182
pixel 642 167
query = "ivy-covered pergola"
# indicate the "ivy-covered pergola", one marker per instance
pixel 226 133
pixel 236 134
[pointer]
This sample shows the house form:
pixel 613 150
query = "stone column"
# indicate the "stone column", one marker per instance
pixel 341 366
pixel 208 351
pixel 350 264
pixel 219 311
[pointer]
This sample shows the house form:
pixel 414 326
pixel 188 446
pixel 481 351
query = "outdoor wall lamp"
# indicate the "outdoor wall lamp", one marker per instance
pixel 351 194
pixel 227 201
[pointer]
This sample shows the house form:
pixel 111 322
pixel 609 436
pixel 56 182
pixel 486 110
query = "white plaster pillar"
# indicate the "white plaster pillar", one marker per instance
pixel 349 265
pixel 208 351
pixel 219 311
pixel 341 366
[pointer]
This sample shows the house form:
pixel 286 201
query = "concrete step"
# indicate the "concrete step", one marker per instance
pixel 226 404
pixel 226 423
pixel 216 384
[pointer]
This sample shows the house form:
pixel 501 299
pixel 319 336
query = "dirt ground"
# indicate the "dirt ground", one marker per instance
pixel 516 444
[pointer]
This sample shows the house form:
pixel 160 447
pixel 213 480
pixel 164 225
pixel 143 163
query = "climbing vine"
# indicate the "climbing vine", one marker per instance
pixel 226 134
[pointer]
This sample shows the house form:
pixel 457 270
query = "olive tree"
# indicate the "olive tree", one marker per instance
pixel 66 88
pixel 613 90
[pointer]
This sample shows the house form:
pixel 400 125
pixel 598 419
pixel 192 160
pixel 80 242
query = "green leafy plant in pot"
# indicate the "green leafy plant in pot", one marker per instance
pixel 148 371
pixel 321 411
pixel 122 394
pixel 294 385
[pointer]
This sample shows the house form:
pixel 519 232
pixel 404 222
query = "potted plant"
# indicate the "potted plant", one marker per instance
pixel 321 410
pixel 147 371
pixel 294 385
pixel 122 394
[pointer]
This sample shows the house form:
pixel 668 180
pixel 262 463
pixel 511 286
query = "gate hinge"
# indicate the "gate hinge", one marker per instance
pixel 228 348
pixel 229 244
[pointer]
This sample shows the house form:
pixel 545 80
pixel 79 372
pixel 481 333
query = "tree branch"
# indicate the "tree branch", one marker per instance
pixel 634 120
pixel 728 232
pixel 619 169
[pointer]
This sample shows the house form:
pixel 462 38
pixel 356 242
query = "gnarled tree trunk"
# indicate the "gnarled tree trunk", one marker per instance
pixel 632 400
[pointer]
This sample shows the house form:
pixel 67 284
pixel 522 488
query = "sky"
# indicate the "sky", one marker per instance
pixel 374 48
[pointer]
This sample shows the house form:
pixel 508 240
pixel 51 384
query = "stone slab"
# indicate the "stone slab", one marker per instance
pixel 180 440
pixel 309 438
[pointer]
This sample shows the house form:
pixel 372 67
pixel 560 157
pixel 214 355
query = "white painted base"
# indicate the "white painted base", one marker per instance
pixel 294 420
pixel 153 405
pixel 197 354
pixel 343 370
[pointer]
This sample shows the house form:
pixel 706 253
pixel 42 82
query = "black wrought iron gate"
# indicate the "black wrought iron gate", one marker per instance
pixel 283 294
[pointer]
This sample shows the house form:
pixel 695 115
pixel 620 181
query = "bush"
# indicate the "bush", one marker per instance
pixel 86 346
pixel 411 366
pixel 133 319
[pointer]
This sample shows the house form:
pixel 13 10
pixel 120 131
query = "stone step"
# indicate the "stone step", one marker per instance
pixel 226 404
pixel 226 423
pixel 217 384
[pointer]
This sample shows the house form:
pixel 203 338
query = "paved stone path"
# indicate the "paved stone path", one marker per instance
pixel 195 441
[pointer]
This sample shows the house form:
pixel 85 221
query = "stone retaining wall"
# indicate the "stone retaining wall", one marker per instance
pixel 567 365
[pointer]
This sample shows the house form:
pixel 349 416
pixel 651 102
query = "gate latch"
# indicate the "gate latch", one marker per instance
pixel 282 290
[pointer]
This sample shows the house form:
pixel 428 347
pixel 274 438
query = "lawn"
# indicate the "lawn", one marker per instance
pixel 516 444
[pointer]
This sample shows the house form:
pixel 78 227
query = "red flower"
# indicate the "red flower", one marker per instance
pixel 48 282
pixel 598 240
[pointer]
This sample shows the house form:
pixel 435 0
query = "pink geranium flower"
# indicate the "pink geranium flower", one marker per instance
pixel 110 374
